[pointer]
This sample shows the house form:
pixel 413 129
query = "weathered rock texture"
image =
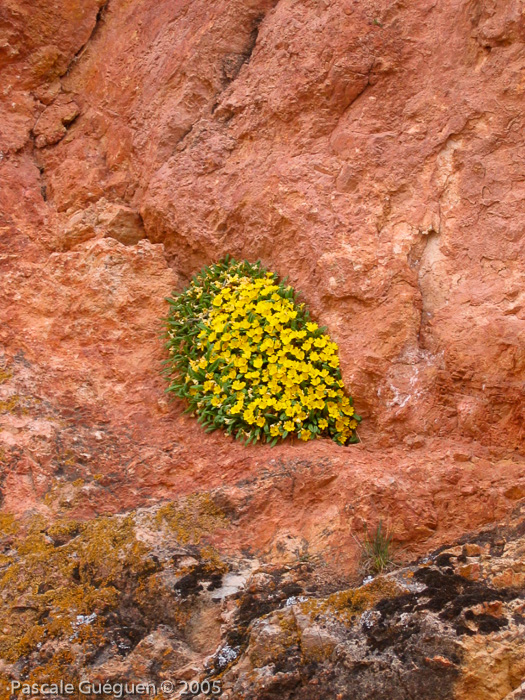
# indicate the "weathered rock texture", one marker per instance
pixel 116 598
pixel 371 151
pixel 146 596
pixel 452 626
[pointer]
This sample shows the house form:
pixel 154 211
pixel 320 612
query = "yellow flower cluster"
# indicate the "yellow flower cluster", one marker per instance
pixel 261 368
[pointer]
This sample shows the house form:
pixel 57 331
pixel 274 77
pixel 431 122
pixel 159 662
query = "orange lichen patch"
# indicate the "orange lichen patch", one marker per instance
pixel 274 638
pixel 59 668
pixel 19 404
pixel 212 560
pixel 46 587
pixel 196 516
pixel 288 625
pixel 8 524
pixel 5 374
pixel 9 405
pixel 64 571
pixel 5 560
pixel 63 583
pixel 345 605
pixel 63 530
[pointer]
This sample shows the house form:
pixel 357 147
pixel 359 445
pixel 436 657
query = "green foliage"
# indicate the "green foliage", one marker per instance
pixel 376 550
pixel 246 357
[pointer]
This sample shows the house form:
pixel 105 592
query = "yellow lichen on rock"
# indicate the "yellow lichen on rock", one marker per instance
pixel 61 582
pixel 190 520
pixel 345 605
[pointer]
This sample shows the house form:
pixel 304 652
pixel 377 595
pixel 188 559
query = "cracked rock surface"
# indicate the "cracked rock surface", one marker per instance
pixel 370 151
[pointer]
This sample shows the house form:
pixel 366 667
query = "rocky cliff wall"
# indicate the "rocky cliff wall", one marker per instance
pixel 373 152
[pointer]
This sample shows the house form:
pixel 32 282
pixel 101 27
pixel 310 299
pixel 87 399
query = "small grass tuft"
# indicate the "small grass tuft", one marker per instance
pixel 377 550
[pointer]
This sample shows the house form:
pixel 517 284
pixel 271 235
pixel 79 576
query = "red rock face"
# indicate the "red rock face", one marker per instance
pixel 371 152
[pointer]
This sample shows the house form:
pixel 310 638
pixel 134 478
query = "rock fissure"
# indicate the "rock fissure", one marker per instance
pixel 233 63
pixel 99 20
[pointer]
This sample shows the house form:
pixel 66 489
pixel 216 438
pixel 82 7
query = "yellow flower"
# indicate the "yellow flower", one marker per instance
pixel 248 416
pixel 248 327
